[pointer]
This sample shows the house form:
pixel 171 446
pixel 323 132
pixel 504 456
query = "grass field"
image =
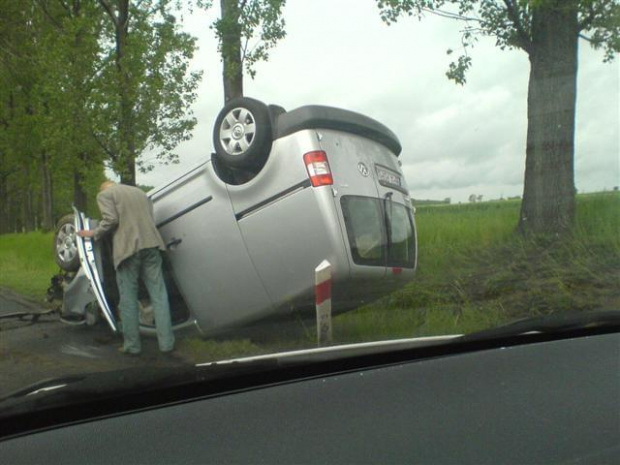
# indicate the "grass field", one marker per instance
pixel 27 263
pixel 474 272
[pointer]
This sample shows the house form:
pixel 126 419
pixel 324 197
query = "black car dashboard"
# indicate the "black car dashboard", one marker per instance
pixel 552 401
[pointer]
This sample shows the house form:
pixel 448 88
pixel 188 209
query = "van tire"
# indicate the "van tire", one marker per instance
pixel 65 244
pixel 242 134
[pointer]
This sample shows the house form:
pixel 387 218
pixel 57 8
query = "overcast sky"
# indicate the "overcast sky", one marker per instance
pixel 457 140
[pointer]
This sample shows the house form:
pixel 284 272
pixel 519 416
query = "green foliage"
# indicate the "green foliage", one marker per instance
pixel 509 22
pixel 259 26
pixel 61 96
pixel 474 272
pixel 144 88
pixel 423 202
pixel 27 263
pixel 457 69
pixel 203 351
pixel 43 141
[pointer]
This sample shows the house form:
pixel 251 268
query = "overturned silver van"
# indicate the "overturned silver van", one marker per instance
pixel 246 229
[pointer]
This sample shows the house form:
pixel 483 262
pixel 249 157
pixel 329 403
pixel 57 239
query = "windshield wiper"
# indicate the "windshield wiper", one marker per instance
pixel 549 324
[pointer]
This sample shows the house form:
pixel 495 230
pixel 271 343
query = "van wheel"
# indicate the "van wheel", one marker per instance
pixel 65 244
pixel 242 134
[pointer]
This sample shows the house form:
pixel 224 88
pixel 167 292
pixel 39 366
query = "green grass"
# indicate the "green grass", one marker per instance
pixel 444 231
pixel 474 272
pixel 27 263
pixel 203 351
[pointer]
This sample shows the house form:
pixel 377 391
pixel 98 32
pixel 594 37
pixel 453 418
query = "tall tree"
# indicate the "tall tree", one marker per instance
pixel 71 60
pixel 20 131
pixel 65 94
pixel 145 96
pixel 45 65
pixel 247 30
pixel 548 31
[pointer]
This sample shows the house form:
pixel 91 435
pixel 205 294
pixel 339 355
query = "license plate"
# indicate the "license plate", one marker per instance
pixel 387 177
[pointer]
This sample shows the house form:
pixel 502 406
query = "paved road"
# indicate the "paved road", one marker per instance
pixel 33 349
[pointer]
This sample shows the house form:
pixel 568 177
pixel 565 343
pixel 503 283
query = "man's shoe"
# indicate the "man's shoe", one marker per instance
pixel 171 356
pixel 122 350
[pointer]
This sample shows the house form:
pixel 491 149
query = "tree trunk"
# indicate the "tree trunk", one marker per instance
pixel 231 49
pixel 549 188
pixel 4 206
pixel 128 173
pixel 7 220
pixel 47 198
pixel 79 194
pixel 127 157
pixel 28 220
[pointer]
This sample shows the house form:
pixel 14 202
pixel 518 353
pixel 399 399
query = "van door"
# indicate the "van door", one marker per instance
pixel 89 265
pixel 210 262
pixel 351 159
pixel 398 214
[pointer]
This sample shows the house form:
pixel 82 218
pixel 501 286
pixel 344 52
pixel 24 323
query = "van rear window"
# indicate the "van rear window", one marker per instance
pixel 380 232
pixel 364 222
pixel 401 244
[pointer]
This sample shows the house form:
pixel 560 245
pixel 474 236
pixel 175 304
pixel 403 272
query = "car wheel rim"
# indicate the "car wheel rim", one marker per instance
pixel 66 246
pixel 237 131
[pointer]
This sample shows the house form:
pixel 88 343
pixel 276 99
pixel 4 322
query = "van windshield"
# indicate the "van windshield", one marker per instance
pixel 379 235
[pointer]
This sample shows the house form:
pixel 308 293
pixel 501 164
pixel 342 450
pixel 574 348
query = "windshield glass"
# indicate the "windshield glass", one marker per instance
pixel 319 173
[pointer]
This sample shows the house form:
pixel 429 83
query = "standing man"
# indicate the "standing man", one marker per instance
pixel 127 213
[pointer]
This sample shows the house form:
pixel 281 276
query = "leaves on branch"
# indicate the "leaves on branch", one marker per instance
pixel 257 24
pixel 509 22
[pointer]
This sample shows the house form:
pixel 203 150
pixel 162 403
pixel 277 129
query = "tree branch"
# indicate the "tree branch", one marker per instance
pixel 513 14
pixel 99 68
pixel 49 16
pixel 6 174
pixel 65 5
pixel 588 20
pixel 101 144
pixel 108 9
pixel 450 15
pixel 244 50
pixel 587 39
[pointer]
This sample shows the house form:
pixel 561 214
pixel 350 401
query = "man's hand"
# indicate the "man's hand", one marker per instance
pixel 86 233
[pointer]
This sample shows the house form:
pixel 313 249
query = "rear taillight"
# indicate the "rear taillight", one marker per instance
pixel 318 168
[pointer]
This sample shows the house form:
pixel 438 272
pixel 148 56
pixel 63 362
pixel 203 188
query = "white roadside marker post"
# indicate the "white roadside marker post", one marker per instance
pixel 323 300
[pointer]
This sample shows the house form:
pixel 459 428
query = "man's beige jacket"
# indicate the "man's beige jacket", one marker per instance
pixel 128 213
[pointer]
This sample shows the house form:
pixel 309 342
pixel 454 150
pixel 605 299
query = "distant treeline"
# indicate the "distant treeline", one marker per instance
pixel 420 202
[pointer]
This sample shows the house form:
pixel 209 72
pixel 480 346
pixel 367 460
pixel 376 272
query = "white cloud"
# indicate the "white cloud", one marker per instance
pixel 456 140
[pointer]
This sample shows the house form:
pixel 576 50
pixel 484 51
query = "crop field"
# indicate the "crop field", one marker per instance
pixel 474 272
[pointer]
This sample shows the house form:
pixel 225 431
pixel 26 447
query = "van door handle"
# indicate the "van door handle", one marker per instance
pixel 173 243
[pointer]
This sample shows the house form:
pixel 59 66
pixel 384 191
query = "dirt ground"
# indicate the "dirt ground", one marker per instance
pixel 35 345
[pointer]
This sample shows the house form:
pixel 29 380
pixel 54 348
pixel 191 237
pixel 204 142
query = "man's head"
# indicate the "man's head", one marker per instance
pixel 105 185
